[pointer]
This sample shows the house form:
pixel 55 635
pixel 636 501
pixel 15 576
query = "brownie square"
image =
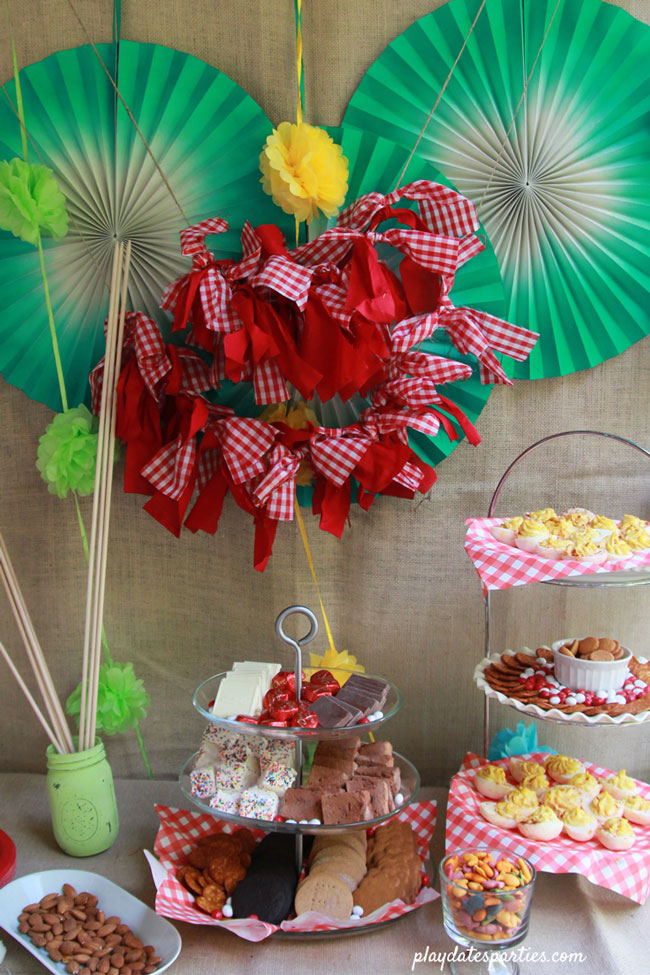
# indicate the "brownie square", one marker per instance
pixel 392 775
pixel 326 779
pixel 381 797
pixel 347 807
pixel 302 804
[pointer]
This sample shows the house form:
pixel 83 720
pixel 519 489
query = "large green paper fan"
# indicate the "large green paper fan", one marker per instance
pixel 375 166
pixel 205 132
pixel 563 191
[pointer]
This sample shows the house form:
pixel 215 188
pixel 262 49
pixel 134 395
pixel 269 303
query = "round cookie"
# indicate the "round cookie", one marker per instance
pixel 325 893
pixel 267 892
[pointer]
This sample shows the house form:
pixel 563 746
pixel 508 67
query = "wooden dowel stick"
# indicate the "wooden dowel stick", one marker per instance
pixel 107 484
pixel 37 711
pixel 33 649
pixel 113 301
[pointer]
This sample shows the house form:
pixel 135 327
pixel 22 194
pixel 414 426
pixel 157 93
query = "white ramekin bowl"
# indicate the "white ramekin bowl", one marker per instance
pixel 599 676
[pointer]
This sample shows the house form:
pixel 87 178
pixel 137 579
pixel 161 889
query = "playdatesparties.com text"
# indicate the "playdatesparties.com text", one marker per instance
pixel 522 954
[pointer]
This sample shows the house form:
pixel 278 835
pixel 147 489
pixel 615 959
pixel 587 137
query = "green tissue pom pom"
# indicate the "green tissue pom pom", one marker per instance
pixel 121 699
pixel 31 202
pixel 67 452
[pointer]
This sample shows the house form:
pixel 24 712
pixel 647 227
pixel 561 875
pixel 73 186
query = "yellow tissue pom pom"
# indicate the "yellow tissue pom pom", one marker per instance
pixel 333 659
pixel 304 171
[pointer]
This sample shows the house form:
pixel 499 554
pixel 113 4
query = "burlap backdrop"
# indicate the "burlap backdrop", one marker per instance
pixel 398 588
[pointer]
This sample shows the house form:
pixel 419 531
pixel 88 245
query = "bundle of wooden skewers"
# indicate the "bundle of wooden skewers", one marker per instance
pixel 55 724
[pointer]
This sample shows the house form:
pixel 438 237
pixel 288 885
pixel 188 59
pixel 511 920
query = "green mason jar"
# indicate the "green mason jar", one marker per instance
pixel 82 800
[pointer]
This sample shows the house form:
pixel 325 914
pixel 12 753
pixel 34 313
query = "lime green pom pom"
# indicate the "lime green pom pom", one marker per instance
pixel 67 452
pixel 31 201
pixel 121 700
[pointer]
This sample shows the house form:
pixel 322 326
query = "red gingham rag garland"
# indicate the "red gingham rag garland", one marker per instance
pixel 329 318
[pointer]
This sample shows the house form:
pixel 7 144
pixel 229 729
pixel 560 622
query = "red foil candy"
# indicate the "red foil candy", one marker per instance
pixel 305 720
pixel 286 710
pixel 247 719
pixel 273 723
pixel 322 677
pixel 310 692
pixel 286 680
pixel 276 696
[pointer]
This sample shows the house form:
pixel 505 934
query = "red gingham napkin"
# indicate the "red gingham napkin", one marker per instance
pixel 502 566
pixel 179 831
pixel 627 873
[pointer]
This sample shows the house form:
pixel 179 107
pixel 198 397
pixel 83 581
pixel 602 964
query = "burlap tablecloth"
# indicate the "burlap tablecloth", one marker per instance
pixel 569 914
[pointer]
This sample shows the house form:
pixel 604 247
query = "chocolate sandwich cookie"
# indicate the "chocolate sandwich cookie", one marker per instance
pixel 268 888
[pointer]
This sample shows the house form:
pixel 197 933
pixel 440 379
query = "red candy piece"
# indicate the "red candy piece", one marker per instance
pixel 286 710
pixel 278 819
pixel 305 720
pixel 247 719
pixel 286 681
pixel 311 691
pixel 273 723
pixel 217 915
pixel 275 696
pixel 364 721
pixel 321 677
pixel 426 880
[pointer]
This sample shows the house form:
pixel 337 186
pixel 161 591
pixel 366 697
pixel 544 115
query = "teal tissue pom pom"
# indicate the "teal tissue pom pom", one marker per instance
pixel 523 741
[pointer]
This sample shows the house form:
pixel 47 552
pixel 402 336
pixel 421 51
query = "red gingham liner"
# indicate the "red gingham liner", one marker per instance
pixel 502 566
pixel 179 831
pixel 627 873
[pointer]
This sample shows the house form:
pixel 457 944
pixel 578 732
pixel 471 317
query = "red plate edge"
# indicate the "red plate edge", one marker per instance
pixel 7 858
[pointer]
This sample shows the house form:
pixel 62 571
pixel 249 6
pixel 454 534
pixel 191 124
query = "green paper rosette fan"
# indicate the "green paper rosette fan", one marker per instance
pixel 544 123
pixel 204 133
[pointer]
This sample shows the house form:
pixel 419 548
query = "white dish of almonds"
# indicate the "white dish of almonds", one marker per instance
pixel 145 924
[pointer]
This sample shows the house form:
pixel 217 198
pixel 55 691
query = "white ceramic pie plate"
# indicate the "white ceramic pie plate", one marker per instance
pixel 145 923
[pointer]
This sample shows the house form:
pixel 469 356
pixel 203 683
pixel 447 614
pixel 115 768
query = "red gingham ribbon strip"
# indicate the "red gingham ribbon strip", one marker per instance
pixel 193 240
pixel 628 872
pixel 444 210
pixel 142 337
pixel 251 253
pixel 216 295
pixel 336 452
pixel 276 490
pixel 268 383
pixel 244 443
pixel 412 331
pixel 286 278
pixel 170 470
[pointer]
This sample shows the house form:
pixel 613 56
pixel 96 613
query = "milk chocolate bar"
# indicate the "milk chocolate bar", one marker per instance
pixel 334 714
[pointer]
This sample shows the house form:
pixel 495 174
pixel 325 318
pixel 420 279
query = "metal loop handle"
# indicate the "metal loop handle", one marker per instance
pixel 297 645
pixel 556 436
